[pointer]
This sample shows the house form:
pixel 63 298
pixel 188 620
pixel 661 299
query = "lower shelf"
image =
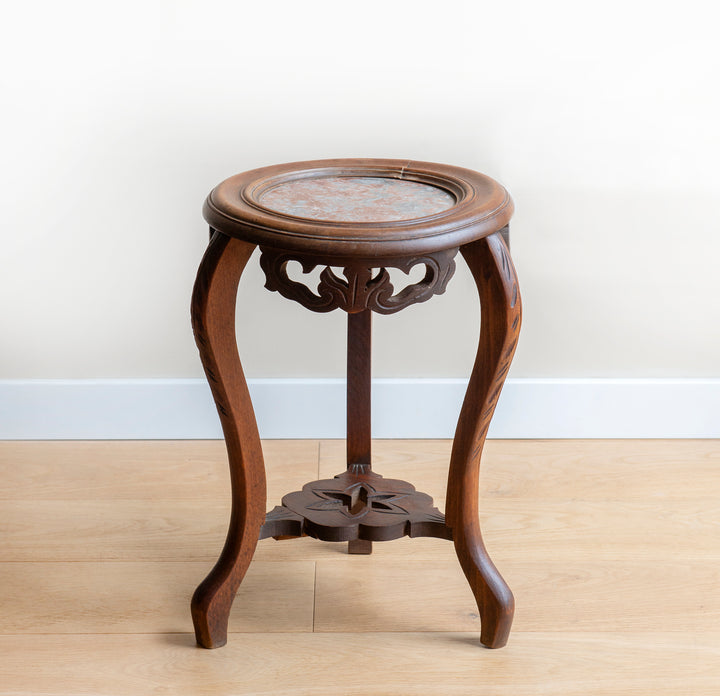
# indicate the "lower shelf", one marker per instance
pixel 357 504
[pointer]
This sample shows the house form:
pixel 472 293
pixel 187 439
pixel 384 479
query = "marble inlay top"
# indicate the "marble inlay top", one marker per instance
pixel 356 199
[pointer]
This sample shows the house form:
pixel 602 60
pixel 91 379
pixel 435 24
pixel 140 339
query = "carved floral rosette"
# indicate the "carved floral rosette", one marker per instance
pixel 366 284
pixel 357 504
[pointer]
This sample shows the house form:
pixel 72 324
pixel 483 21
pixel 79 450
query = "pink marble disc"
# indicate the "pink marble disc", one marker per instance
pixel 356 199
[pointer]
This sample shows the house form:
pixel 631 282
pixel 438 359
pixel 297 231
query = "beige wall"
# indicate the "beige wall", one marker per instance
pixel 602 120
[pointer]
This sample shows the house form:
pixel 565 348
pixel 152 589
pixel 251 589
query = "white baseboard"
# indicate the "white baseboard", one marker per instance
pixel 402 408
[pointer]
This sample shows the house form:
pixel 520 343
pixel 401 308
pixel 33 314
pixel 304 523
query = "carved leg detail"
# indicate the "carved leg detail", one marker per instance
pixel 494 274
pixel 213 317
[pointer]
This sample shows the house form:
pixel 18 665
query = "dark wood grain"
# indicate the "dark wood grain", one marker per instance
pixel 213 318
pixel 494 274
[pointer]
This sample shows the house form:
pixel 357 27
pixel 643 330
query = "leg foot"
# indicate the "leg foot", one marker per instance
pixel 495 601
pixel 210 613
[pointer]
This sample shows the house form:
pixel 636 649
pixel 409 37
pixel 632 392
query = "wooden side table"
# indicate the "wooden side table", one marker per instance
pixel 363 216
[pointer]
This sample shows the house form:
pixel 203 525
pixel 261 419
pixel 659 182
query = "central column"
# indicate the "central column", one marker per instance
pixel 359 376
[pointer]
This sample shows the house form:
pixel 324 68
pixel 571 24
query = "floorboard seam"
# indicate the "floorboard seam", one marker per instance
pixel 314 595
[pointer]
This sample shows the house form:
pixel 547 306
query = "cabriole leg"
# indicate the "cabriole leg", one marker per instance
pixel 494 274
pixel 213 318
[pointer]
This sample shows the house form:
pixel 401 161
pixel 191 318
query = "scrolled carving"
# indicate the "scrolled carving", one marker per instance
pixel 366 285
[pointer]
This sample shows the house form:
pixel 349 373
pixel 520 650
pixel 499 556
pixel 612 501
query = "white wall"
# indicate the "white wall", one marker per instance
pixel 602 119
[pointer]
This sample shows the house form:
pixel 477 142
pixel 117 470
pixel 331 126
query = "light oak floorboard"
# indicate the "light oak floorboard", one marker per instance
pixel 612 549
pixel 373 664
pixel 142 470
pixel 553 469
pixel 149 597
pixel 185 529
pixel 559 595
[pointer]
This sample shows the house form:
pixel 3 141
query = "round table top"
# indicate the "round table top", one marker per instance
pixel 359 207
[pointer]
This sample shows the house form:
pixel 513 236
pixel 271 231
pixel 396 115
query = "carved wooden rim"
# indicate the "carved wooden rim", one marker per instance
pixel 482 207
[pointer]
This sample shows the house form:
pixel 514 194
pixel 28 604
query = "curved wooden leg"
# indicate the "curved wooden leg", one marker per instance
pixel 494 274
pixel 213 318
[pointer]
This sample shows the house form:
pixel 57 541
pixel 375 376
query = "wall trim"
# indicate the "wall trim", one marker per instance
pixel 403 408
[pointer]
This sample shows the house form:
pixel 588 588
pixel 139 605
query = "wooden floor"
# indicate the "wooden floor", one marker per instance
pixel 612 549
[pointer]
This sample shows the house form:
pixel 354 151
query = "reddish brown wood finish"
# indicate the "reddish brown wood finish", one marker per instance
pixel 360 547
pixel 359 380
pixel 482 208
pixel 358 388
pixel 365 286
pixel 213 317
pixel 495 277
pixel 357 506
